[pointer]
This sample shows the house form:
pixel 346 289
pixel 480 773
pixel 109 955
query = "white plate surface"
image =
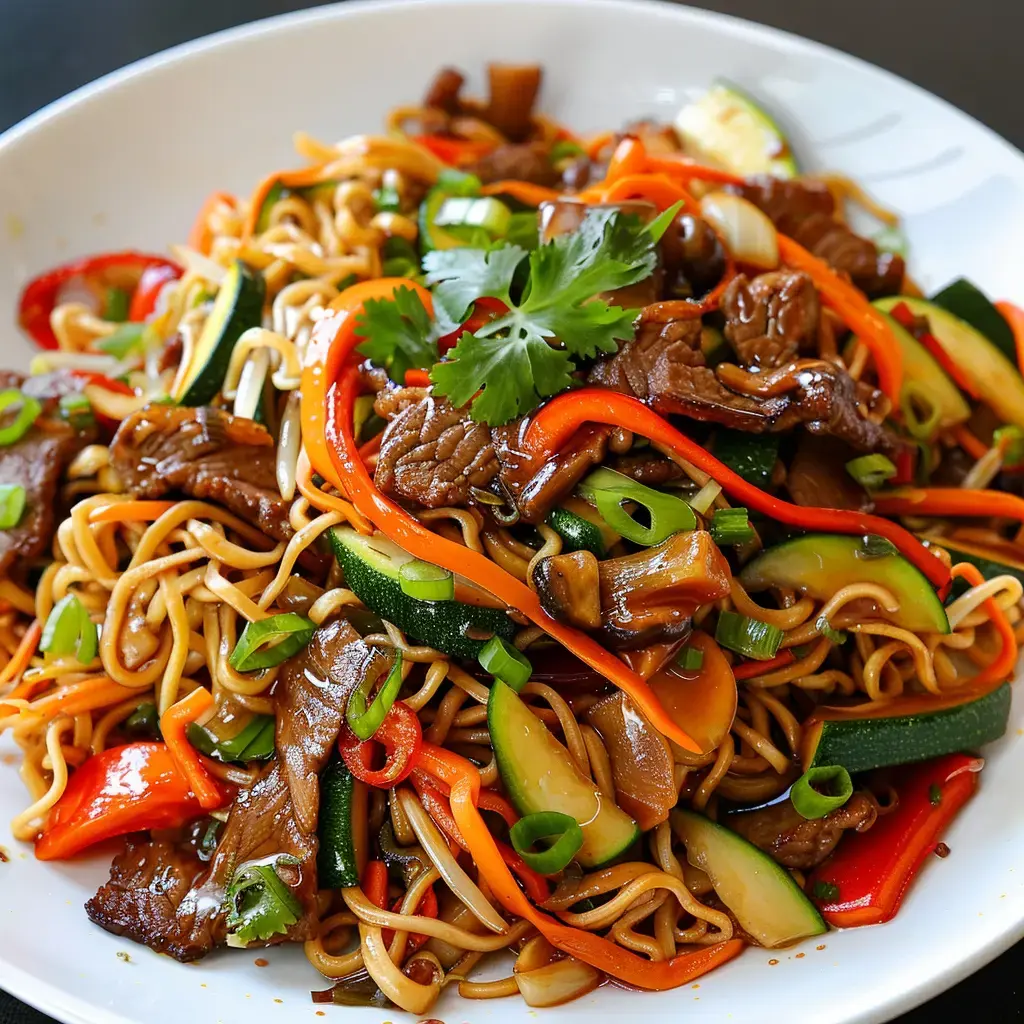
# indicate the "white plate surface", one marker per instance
pixel 127 162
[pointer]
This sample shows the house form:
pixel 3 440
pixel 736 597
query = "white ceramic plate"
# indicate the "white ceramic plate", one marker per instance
pixel 127 162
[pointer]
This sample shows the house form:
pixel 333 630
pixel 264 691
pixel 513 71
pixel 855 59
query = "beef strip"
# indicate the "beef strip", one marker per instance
pixel 160 898
pixel 806 211
pixel 796 842
pixel 206 454
pixel 513 90
pixel 647 467
pixel 817 475
pixel 37 463
pixel 443 92
pixel 520 161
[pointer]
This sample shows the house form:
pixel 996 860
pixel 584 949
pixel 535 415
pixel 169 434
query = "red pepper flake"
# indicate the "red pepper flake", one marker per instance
pixel 800 956
pixel 819 947
pixel 260 962
pixel 320 1013
pixel 4 858
pixel 772 963
pixel 942 850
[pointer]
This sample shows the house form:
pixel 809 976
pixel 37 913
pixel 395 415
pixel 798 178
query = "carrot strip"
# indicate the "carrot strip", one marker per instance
pixel 375 883
pixel 418 378
pixel 658 189
pixel 594 145
pixel 524 191
pixel 1015 318
pixel 22 657
pixel 303 177
pixel 630 157
pixel 950 501
pixel 1002 668
pixel 857 313
pixel 970 444
pixel 464 780
pixel 200 237
pixel 688 170
pixel 130 512
pixel 749 669
pixel 173 723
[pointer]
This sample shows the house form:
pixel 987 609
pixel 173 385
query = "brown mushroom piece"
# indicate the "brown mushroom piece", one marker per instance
pixel 569 586
pixel 645 597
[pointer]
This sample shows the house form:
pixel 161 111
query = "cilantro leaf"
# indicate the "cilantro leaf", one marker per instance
pixel 260 904
pixel 398 332
pixel 525 356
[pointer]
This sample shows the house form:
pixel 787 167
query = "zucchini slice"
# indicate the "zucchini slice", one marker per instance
pixel 581 527
pixel 459 628
pixel 238 306
pixel 819 564
pixel 540 775
pixel 994 378
pixel 728 128
pixel 912 729
pixel 767 903
pixel 343 817
pixel 971 304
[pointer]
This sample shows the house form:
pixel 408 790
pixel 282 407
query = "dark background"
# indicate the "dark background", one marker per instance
pixel 966 52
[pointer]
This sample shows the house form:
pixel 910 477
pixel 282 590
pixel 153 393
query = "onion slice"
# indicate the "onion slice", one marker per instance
pixel 557 982
pixel 747 232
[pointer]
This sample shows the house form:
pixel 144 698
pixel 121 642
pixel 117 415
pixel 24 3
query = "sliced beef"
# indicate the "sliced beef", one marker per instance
pixel 647 467
pixel 206 454
pixel 432 453
pixel 517 161
pixel 817 475
pixel 770 319
pixel 159 897
pixel 513 90
pixel 443 93
pixel 796 842
pixel 693 257
pixel 806 211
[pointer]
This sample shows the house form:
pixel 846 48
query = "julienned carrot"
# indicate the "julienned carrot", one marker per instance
pixel 130 512
pixel 856 312
pixel 464 780
pixel 77 698
pixel 173 723
pixel 658 189
pixel 970 444
pixel 22 656
pixel 950 501
pixel 418 378
pixel 749 669
pixel 687 170
pixel 374 883
pixel 596 143
pixel 1006 661
pixel 200 237
pixel 1015 318
pixel 303 177
pixel 630 157
pixel 554 424
pixel 523 191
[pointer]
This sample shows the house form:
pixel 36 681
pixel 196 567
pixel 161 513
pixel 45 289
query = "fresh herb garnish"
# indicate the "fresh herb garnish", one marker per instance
pixel 260 904
pixel 398 332
pixel 934 794
pixel 825 891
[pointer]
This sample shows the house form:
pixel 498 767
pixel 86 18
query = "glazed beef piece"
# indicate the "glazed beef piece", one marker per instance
pixel 647 467
pixel 159 896
pixel 512 95
pixel 806 212
pixel 796 842
pixel 519 162
pixel 443 92
pixel 204 453
pixel 817 475
pixel 37 462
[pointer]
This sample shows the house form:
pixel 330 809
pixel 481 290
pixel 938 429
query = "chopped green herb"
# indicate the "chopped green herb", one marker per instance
pixel 260 904
pixel 398 332
pixel 386 199
pixel 934 794
pixel 115 306
pixel 127 339
pixel 827 892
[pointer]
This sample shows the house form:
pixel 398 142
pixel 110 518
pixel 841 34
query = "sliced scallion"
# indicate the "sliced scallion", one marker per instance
pixel 564 829
pixel 484 212
pixel 365 721
pixel 128 338
pixel 506 663
pixel 386 199
pixel 565 150
pixel 69 631
pixel 1011 439
pixel 668 513
pixel 115 306
pixel 255 742
pixel 12 505
pixel 270 641
pixel 426 582
pixel 821 790
pixel 27 411
pixel 459 183
pixel 690 659
pixel 825 629
pixel 871 471
pixel 75 408
pixel 749 637
pixel 731 526
pixel 921 413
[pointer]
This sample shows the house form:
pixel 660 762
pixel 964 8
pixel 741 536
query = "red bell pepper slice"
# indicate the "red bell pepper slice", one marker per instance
pixel 871 871
pixel 147 291
pixel 121 790
pixel 485 310
pixel 427 908
pixel 42 293
pixel 401 736
pixel 452 151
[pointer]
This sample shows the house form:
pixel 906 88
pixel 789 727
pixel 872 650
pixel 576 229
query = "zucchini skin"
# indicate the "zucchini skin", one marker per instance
pixel 336 859
pixel 576 533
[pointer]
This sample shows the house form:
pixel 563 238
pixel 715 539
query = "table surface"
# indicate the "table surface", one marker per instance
pixel 49 47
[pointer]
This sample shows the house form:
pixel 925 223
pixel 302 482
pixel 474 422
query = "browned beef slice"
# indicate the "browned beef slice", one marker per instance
pixel 769 319
pixel 796 842
pixel 432 453
pixel 806 212
pixel 278 815
pixel 647 467
pixel 443 93
pixel 513 90
pixel 148 882
pixel 206 454
pixel 521 162
pixel 817 475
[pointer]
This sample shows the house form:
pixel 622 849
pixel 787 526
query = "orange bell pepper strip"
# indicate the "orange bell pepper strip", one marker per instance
pixel 970 444
pixel 374 883
pixel 173 723
pixel 455 152
pixel 856 312
pixel 562 417
pixel 464 780
pixel 950 501
pixel 130 512
pixel 629 157
pixel 123 789
pixel 868 876
pixel 1015 318
pixel 200 237
pixel 749 669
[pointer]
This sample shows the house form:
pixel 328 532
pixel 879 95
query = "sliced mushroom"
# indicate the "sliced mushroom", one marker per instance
pixel 569 588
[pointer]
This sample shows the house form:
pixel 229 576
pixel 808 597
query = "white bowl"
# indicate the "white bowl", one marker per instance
pixel 127 161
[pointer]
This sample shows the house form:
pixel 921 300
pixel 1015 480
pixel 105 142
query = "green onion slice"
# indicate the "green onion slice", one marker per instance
pixel 28 410
pixel 255 742
pixel 871 471
pixel 365 721
pixel 386 199
pixel 506 663
pixel 750 637
pixel 425 581
pixel 668 514
pixel 12 505
pixel 690 659
pixel 824 627
pixel 563 828
pixel 116 304
pixel 921 413
pixel 485 212
pixel 123 342
pixel 564 150
pixel 75 408
pixel 268 642
pixel 459 183
pixel 69 630
pixel 731 526
pixel 821 790
pixel 1011 439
